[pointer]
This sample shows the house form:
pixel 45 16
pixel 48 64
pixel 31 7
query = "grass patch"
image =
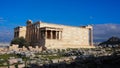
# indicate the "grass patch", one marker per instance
pixel 6 56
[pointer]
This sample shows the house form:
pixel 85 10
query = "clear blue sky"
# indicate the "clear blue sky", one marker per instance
pixel 68 12
pixel 71 12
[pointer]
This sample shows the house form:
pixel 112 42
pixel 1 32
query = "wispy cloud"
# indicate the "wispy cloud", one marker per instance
pixel 6 34
pixel 105 31
pixel 2 20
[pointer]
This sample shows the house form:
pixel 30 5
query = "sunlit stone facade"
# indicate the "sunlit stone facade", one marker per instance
pixel 20 31
pixel 58 36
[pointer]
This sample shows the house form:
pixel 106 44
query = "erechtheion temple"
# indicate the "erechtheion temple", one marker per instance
pixel 56 36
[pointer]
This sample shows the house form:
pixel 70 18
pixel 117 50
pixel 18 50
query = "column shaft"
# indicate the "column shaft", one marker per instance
pixel 56 35
pixel 60 34
pixel 91 37
pixel 51 34
pixel 45 34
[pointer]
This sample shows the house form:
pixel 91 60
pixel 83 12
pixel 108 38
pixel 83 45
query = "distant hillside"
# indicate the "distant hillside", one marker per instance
pixel 6 35
pixel 4 44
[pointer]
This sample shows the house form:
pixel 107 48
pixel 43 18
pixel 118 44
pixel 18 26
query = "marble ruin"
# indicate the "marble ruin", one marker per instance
pixel 55 36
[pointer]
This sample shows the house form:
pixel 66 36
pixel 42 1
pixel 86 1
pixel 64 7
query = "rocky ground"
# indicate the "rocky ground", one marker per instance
pixel 112 61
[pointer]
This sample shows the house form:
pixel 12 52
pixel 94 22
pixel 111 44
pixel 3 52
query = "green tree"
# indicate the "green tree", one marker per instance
pixel 20 41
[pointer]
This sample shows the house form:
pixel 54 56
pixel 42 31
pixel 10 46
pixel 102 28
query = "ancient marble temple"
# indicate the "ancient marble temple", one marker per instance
pixel 54 36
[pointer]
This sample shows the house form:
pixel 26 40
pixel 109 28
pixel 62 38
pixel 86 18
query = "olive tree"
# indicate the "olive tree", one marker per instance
pixel 20 41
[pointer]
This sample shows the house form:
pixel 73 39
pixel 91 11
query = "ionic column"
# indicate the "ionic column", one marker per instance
pixel 91 37
pixel 37 34
pixel 28 34
pixel 60 34
pixel 45 34
pixel 33 34
pixel 51 34
pixel 56 34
